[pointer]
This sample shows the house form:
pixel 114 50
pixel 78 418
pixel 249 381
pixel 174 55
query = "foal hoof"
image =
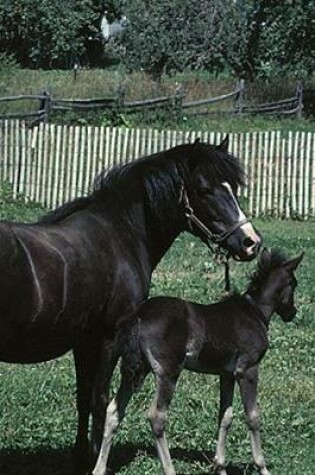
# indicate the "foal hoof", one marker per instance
pixel 220 471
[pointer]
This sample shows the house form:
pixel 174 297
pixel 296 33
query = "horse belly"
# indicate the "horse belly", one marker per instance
pixel 44 340
pixel 210 361
pixel 26 347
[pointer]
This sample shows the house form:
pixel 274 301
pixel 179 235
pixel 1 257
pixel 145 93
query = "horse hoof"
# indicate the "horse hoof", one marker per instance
pixel 81 460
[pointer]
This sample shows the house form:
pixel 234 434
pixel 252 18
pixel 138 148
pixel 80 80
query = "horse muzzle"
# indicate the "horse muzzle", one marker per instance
pixel 245 243
pixel 287 312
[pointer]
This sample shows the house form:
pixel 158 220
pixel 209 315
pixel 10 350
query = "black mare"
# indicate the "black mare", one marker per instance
pixel 68 280
pixel 228 338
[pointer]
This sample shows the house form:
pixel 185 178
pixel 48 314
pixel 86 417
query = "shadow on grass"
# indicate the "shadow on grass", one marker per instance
pixel 123 455
pixel 42 461
pixel 59 462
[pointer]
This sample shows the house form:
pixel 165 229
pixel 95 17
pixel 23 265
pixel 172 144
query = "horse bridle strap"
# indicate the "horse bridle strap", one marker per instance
pixel 193 219
pixel 221 256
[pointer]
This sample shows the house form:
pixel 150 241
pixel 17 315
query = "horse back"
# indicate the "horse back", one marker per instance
pixel 61 283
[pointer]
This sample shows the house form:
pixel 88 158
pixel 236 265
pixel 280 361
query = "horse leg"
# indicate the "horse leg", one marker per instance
pixel 116 412
pixel 248 386
pixel 109 356
pixel 225 421
pixel 157 414
pixel 86 361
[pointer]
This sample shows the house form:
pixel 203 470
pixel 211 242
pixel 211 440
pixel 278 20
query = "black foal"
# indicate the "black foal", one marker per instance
pixel 228 338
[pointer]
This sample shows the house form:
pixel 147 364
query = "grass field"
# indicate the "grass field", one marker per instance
pixel 38 416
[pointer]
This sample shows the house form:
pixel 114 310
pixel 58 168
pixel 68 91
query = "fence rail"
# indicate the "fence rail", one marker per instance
pixel 52 164
pixel 173 104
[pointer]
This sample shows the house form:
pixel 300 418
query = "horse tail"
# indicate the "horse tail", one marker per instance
pixel 133 364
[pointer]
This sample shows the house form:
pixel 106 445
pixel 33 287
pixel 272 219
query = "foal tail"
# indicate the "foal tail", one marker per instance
pixel 133 364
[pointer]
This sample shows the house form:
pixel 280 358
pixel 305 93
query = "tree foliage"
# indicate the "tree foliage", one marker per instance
pixel 168 36
pixel 49 33
pixel 287 43
pixel 247 37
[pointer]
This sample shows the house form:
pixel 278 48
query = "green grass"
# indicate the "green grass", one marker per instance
pixel 38 416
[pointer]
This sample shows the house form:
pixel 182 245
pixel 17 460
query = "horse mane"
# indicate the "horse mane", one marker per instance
pixel 65 210
pixel 220 165
pixel 156 179
pixel 162 174
pixel 268 262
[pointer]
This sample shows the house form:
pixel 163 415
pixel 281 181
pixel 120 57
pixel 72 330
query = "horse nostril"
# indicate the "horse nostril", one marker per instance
pixel 248 242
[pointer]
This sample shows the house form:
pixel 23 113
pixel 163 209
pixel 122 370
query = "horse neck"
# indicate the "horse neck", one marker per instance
pixel 264 300
pixel 160 240
pixel 150 233
pixel 159 233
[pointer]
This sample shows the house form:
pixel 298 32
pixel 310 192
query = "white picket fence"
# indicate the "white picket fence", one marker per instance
pixel 52 164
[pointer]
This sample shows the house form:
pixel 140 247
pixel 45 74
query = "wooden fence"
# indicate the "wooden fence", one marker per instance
pixel 52 164
pixel 229 104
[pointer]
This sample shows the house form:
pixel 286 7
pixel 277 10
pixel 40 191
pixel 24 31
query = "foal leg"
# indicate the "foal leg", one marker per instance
pixel 248 386
pixel 115 414
pixel 157 414
pixel 225 421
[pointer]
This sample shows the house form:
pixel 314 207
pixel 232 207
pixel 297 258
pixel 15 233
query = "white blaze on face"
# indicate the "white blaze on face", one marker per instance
pixel 241 215
pixel 247 227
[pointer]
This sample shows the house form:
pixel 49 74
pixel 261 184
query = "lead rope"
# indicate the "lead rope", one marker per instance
pixel 227 276
pixel 223 258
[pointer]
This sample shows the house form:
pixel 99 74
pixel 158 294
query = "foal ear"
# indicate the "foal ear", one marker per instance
pixel 292 264
pixel 224 145
pixel 265 253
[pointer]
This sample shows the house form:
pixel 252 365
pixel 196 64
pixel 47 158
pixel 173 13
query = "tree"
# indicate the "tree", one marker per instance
pixel 49 33
pixel 243 36
pixel 169 36
pixel 288 39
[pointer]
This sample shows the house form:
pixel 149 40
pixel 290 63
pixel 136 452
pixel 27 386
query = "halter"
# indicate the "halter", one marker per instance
pixel 214 240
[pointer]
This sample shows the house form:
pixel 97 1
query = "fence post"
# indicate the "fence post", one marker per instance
pixel 121 93
pixel 178 102
pixel 299 98
pixel 239 100
pixel 47 104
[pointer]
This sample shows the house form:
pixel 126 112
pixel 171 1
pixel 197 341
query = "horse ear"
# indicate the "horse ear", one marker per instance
pixel 197 141
pixel 292 264
pixel 224 145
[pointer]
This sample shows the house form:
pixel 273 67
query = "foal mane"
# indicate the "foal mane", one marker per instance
pixel 156 179
pixel 268 262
